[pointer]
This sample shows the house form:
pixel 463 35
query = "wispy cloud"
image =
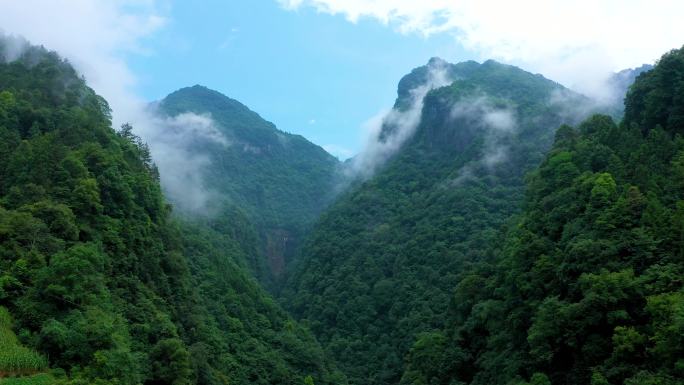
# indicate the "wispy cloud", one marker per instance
pixel 340 152
pixel 388 130
pixel 228 41
pixel 497 123
pixel 575 42
pixel 96 36
pixel 173 144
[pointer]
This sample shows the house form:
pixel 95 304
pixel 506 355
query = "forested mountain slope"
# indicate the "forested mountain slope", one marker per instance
pixel 587 288
pixel 382 262
pixel 98 278
pixel 280 181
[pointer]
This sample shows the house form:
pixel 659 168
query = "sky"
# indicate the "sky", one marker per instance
pixel 323 68
pixel 309 73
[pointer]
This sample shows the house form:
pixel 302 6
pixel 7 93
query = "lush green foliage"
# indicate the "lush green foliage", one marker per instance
pixel 279 180
pixel 658 97
pixel 380 265
pixel 38 379
pixel 439 270
pixel 588 286
pixel 14 358
pixel 242 332
pixel 98 277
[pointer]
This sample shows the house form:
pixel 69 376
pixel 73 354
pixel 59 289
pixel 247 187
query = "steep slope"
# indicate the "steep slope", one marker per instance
pixel 280 181
pixel 588 286
pixel 381 263
pixel 98 277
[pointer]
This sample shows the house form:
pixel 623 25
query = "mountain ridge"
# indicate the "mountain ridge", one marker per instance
pixel 380 263
pixel 280 181
pixel 585 288
pixel 98 278
pixel 505 233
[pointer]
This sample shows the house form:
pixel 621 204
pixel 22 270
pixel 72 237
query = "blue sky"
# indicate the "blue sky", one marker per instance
pixel 309 73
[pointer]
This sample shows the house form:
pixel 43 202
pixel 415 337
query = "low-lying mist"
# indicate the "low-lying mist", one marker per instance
pixel 173 143
pixel 497 124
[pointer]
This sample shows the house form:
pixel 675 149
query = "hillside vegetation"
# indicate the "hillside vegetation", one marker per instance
pixel 381 263
pixel 101 281
pixel 587 287
pixel 501 229
pixel 278 181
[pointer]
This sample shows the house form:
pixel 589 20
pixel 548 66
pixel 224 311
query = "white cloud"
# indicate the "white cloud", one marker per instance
pixel 230 39
pixel 387 131
pixel 340 152
pixel 496 122
pixel 97 36
pixel 173 144
pixel 94 35
pixel 575 42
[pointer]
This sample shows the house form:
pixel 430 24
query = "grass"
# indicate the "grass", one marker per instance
pixel 38 379
pixel 16 359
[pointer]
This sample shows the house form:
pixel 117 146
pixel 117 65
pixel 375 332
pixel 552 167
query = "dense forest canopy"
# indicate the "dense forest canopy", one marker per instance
pixel 98 282
pixel 380 265
pixel 587 288
pixel 281 182
pixel 512 232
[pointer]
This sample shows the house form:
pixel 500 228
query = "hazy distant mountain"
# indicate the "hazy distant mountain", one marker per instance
pixel 622 80
pixel 619 84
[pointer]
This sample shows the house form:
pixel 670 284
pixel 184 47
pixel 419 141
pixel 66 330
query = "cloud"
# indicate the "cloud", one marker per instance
pixel 340 152
pixel 97 37
pixel 12 47
pixel 388 130
pixel 574 42
pixel 173 143
pixel 498 124
pixel 483 113
pixel 94 35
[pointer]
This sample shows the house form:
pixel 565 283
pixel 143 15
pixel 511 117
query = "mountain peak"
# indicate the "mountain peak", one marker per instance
pixel 200 91
pixel 237 118
pixel 498 75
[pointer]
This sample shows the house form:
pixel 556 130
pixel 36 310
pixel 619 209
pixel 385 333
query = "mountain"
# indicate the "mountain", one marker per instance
pixel 622 80
pixel 280 182
pixel 381 263
pixel 99 283
pixel 495 231
pixel 617 86
pixel 586 288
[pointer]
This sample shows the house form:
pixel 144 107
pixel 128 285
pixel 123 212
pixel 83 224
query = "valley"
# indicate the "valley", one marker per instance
pixel 499 228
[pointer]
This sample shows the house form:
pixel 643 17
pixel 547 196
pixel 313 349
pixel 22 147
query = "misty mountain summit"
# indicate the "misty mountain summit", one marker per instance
pixel 281 182
pixel 398 243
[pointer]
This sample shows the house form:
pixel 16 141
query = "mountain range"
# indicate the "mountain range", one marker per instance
pixel 500 228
